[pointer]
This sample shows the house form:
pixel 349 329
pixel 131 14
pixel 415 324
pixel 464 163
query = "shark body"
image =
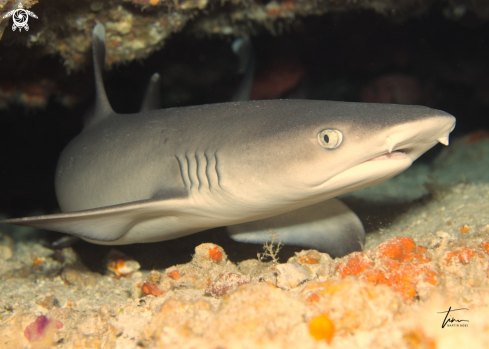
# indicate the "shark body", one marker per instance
pixel 161 174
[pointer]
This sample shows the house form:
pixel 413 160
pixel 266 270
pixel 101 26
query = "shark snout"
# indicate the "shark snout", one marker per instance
pixel 415 138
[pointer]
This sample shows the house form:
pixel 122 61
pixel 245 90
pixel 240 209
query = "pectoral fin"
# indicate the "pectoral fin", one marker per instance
pixel 328 226
pixel 100 224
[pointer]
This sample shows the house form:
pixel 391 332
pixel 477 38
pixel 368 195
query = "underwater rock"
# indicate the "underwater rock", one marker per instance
pixel 5 252
pixel 317 263
pixel 291 275
pixel 351 304
pixel 226 283
pixel 136 28
pixel 207 255
pixel 79 276
pixel 362 300
pixel 121 264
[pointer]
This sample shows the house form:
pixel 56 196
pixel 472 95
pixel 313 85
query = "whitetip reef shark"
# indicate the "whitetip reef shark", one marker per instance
pixel 248 165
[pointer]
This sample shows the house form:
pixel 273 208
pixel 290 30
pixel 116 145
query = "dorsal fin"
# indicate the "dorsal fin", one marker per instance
pixel 102 106
pixel 246 55
pixel 152 98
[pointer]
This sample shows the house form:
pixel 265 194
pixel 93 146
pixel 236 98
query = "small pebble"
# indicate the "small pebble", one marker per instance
pixel 291 275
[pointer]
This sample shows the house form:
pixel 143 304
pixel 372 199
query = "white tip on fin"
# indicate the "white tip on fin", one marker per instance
pixel 99 32
pixel 443 140
pixel 152 98
pixel 246 55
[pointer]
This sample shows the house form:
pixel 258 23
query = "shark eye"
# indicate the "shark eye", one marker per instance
pixel 330 139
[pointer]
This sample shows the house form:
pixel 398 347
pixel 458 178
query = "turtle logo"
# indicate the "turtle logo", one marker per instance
pixel 20 17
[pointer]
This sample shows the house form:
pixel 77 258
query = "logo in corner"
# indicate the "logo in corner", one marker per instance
pixel 20 17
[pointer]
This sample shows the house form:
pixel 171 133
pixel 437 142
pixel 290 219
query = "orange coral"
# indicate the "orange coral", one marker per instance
pixel 401 249
pixel 464 229
pixel 321 327
pixel 116 265
pixel 123 266
pixel 152 289
pixel 215 254
pixel 485 246
pixel 406 279
pixel 403 281
pixel 175 274
pixel 400 265
pixel 374 277
pixel 389 264
pixel 431 277
pixel 464 255
pixel 37 261
pixel 356 264
pixel 313 298
pixel 421 255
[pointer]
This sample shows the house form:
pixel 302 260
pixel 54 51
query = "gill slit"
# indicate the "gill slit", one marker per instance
pixel 207 170
pixel 196 170
pixel 183 173
pixel 216 167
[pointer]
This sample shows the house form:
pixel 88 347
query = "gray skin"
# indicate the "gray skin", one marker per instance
pixel 162 174
pixel 235 150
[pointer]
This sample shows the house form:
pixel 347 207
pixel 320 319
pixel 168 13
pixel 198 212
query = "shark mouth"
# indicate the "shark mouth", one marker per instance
pixel 400 154
pixel 395 155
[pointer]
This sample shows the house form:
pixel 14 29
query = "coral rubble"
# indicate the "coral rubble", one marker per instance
pixel 361 300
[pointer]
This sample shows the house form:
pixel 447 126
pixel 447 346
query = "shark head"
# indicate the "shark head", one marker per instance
pixel 294 152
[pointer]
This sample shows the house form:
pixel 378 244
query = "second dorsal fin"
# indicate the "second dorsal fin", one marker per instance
pixel 152 98
pixel 246 55
pixel 102 107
